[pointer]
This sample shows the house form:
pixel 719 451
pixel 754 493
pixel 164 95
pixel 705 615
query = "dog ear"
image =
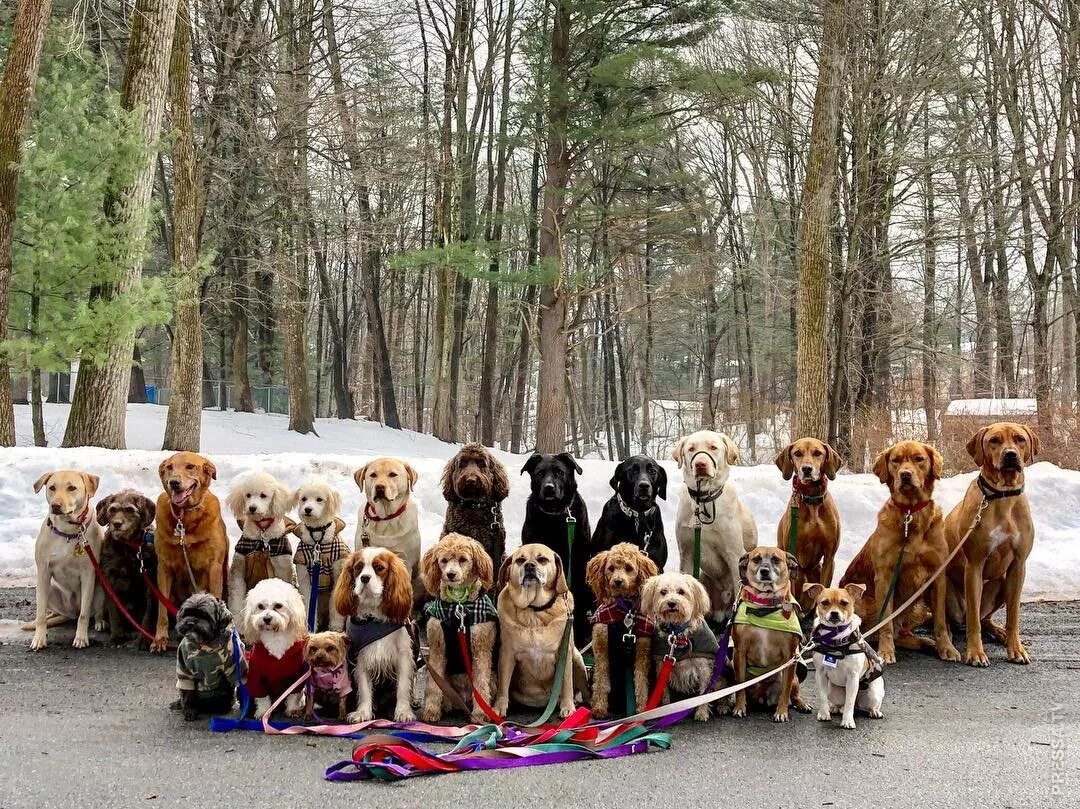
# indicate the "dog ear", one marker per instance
pixel 482 564
pixel 661 482
pixel 881 466
pixel 333 499
pixel 103 506
pixel 504 571
pixel 358 476
pixel 1033 445
pixel 430 571
pixel 676 451
pixel 744 560
pixel 855 589
pixel 646 569
pixel 571 460
pixel 648 596
pixel 732 449
pixel 975 447
pixel 594 575
pixel 702 604
pixel 209 469
pixel 234 500
pixel 500 480
pixel 297 610
pixel 531 463
pixel 411 474
pixel 41 481
pixel 833 462
pixel 560 576
pixel 161 468
pixel 90 483
pixel 448 473
pixel 344 596
pixel 617 475
pixel 792 565
pixel 284 499
pixel 224 616
pixel 784 462
pixel 397 596
pixel 812 589
pixel 936 462
pixel 148 512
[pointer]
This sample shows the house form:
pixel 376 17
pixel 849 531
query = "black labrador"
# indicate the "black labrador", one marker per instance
pixel 632 515
pixel 553 499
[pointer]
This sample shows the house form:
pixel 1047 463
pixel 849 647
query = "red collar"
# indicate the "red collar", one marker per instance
pixel 913 509
pixel 761 600
pixel 803 488
pixel 265 523
pixel 371 514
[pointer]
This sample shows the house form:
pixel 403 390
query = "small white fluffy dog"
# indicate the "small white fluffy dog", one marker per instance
pixel 320 540
pixel 375 592
pixel 274 622
pixel 260 503
pixel 66 585
pixel 727 527
pixel 841 666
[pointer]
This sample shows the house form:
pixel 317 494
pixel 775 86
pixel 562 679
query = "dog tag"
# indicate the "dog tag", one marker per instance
pixel 828 660
pixel 79 550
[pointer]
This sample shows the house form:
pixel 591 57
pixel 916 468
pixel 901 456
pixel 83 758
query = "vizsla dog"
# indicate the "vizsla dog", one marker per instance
pixel 810 464
pixel 188 519
pixel 989 570
pixel 910 533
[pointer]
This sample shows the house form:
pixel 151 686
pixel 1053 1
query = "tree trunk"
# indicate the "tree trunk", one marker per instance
pixel 98 407
pixel 929 351
pixel 811 389
pixel 183 424
pixel 16 100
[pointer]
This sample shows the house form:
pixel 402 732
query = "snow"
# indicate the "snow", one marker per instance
pixel 240 442
pixel 991 407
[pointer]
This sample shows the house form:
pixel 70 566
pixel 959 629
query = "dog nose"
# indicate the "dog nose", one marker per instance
pixel 764 573
pixel 806 470
pixel 834 615
pixel 1010 455
pixel 671 604
pixel 530 567
pixel 174 483
pixel 252 509
pixel 452 575
pixel 307 510
pixel 549 488
pixel 117 524
pixel 700 466
pixel 643 487
pixel 619 582
pixel 55 508
pixel 380 490
pixel 905 475
pixel 267 619
pixel 365 578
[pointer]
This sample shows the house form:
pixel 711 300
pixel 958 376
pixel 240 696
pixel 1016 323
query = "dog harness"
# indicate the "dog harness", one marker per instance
pixel 363 632
pixel 678 642
pixel 274 545
pixel 625 625
pixel 764 612
pixel 334 681
pixel 457 612
pixel 837 642
pixel 322 545
pixel 624 611
pixel 269 676
pixel 206 668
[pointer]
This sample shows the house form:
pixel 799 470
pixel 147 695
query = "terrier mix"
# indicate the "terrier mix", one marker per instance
pixel 847 669
pixel 325 654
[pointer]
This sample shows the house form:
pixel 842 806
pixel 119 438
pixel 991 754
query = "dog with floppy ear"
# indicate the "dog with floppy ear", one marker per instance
pixel 988 572
pixel 553 506
pixel 632 514
pixel 128 550
pixel 810 464
pixel 66 584
pixel 389 516
pixel 474 485
pixel 321 540
pixel 261 504
pixel 909 533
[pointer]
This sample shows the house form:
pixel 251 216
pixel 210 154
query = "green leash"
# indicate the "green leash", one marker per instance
pixel 793 530
pixel 560 670
pixel 571 529
pixel 908 519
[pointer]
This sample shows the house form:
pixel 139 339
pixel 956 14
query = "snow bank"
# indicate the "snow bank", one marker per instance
pixel 239 442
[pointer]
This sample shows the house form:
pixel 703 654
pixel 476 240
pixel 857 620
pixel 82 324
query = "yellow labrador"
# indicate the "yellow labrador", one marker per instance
pixel 534 606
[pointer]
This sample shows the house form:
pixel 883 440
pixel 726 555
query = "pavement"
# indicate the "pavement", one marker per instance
pixel 90 728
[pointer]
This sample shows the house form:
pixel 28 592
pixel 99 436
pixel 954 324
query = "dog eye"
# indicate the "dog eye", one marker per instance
pixel 919 459
pixel 260 606
pixel 664 592
pixel 817 453
pixel 775 559
pixel 611 568
pixel 1020 439
pixel 277 606
pixel 798 453
pixel 71 488
pixel 190 466
pixel 462 560
pixel 303 499
pixel 262 495
pixel 393 474
pixel 844 603
pixel 318 499
pixel 519 561
pixel 995 440
pixel 372 475
pixel 681 591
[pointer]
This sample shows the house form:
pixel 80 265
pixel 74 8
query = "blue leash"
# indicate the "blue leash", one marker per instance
pixel 313 599
pixel 241 688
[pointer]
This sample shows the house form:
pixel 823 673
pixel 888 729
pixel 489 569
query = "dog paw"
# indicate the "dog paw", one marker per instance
pixel 888 656
pixel 478 717
pixel 404 714
pixel 701 714
pixel 738 712
pixel 190 714
pixel 1018 654
pixel 875 713
pixel 294 713
pixel 432 715
pixel 848 723
pixel 81 640
pixel 994 632
pixel 100 625
pixel 600 712
pixel 160 644
pixel 823 715
pixel 38 643
pixel 500 707
pixel 804 707
pixel 780 716
pixel 976 656
pixel 565 711
pixel 362 715
pixel 946 651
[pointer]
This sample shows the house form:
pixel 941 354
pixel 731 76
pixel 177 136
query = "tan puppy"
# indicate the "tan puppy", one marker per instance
pixel 989 570
pixel 534 607
pixel 188 508
pixel 810 464
pixel 66 585
pixel 766 632
pixel 260 503
pixel 727 527
pixel 616 577
pixel 325 654
pixel 909 469
pixel 458 573
pixel 388 517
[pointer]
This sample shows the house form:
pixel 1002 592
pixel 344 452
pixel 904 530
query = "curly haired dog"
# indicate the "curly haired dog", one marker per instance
pixel 457 572
pixel 260 503
pixel 320 533
pixel 474 484
pixel 375 592
pixel 274 622
pixel 622 634
pixel 127 551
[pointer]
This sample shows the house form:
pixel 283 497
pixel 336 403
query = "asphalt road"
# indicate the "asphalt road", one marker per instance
pixel 90 728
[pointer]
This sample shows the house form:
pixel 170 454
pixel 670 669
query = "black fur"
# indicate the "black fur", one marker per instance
pixel 207 621
pixel 127 517
pixel 639 480
pixel 554 491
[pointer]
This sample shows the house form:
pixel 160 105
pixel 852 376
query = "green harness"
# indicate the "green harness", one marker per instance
pixel 774 618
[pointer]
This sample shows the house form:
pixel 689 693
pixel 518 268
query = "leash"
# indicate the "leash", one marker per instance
pixel 238 663
pixel 799 496
pixel 180 532
pixel 560 670
pixel 571 529
pixel 313 599
pixel 703 515
pixel 100 573
pixel 909 518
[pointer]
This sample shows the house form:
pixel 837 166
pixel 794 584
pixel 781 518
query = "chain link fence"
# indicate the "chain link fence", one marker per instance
pixel 219 396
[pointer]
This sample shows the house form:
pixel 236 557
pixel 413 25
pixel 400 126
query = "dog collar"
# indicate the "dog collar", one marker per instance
pixel 544 607
pixel 801 490
pixel 264 523
pixel 565 510
pixel 630 511
pixel 990 493
pixel 371 514
pixel 760 600
pixel 908 511
pixel 455 593
pixel 699 496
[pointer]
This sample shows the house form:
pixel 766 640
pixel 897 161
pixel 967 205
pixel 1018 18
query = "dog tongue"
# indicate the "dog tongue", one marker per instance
pixel 178 498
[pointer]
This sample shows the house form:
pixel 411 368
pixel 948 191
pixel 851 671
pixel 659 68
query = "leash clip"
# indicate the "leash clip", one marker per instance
pixel 629 637
pixel 459 611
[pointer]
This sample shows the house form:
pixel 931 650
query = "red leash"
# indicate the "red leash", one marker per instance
pixel 100 573
pixel 478 699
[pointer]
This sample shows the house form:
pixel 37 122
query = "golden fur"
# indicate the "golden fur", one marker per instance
pixel 204 535
pixel 620 572
pixel 324 650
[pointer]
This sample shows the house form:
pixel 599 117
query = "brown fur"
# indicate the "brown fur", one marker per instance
pixel 474 484
pixel 926 550
pixel 988 572
pixel 619 572
pixel 205 537
pixel 457 560
pixel 818 528
pixel 127 515
pixel 397 585
pixel 767 648
pixel 325 650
